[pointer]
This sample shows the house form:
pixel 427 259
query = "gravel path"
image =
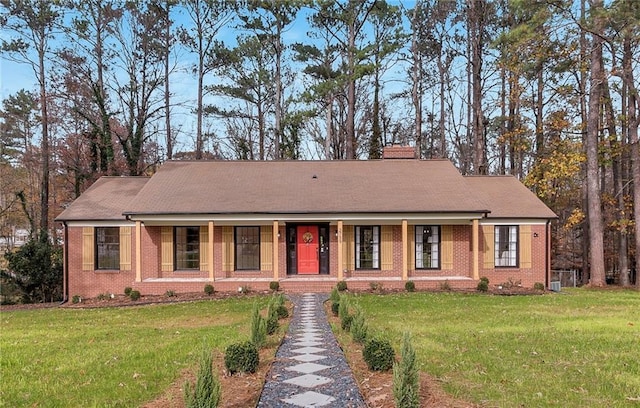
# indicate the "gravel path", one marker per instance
pixel 310 369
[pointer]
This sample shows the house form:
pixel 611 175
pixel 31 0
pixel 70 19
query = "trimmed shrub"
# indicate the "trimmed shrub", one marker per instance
pixel 258 327
pixel 484 279
pixel 410 286
pixel 127 291
pixel 378 354
pixel 358 327
pixel 483 286
pixel 76 299
pixel 274 286
pixel 282 311
pixel 134 295
pixel 342 286
pixel 538 286
pixel 406 377
pixel 208 289
pixel 206 393
pixel 241 358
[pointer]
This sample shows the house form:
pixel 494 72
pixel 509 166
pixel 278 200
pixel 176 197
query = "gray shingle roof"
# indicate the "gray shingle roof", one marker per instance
pixel 305 187
pixel 105 200
pixel 508 197
pixel 226 187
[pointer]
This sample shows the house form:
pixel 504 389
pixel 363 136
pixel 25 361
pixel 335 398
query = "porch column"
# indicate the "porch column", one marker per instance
pixel 276 248
pixel 405 251
pixel 340 254
pixel 475 247
pixel 138 251
pixel 210 250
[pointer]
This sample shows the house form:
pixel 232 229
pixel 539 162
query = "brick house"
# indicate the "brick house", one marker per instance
pixel 306 224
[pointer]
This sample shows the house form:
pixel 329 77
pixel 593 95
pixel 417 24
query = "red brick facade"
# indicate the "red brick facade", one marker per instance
pixel 153 280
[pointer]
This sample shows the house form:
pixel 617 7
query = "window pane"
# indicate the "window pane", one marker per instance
pixel 108 247
pixel 427 246
pixel 506 245
pixel 247 248
pixel 367 247
pixel 187 247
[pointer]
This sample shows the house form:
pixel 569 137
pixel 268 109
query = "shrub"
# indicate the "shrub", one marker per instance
pixel 376 286
pixel 335 295
pixel 484 279
pixel 244 289
pixel 358 327
pixel 410 286
pixel 258 327
pixel 76 299
pixel 274 286
pixel 445 285
pixel 538 286
pixel 170 293
pixel 483 286
pixel 134 295
pixel 127 291
pixel 208 289
pixel 272 318
pixel 206 392
pixel 103 296
pixel 343 313
pixel 342 286
pixel 241 358
pixel 282 311
pixel 378 354
pixel 406 377
pixel 335 308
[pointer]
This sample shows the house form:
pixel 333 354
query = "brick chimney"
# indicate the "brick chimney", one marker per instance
pixel 398 151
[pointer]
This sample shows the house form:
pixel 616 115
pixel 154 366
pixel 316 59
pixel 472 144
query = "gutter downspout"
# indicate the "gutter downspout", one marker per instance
pixel 547 250
pixel 65 265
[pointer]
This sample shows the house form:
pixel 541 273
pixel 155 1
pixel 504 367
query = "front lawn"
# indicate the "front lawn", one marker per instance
pixel 110 357
pixel 578 349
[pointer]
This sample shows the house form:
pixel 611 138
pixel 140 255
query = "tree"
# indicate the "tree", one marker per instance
pixel 208 18
pixel 85 66
pixel 36 269
pixel 138 42
pixel 594 201
pixel 34 23
pixel 269 20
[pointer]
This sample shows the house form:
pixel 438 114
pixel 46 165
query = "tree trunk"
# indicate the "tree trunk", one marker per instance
pixel 44 184
pixel 594 201
pixel 351 94
pixel 167 93
pixel 477 43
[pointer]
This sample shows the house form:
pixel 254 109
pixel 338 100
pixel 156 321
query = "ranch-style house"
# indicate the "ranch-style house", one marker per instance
pixel 305 224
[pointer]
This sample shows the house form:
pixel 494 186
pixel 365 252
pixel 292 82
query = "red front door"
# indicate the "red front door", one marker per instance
pixel 308 255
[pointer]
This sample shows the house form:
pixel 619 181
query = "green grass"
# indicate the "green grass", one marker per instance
pixel 580 349
pixel 111 357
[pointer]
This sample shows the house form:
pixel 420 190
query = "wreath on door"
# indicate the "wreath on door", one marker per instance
pixel 307 237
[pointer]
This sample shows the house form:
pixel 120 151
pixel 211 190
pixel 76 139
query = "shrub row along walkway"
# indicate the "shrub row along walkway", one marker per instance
pixel 310 369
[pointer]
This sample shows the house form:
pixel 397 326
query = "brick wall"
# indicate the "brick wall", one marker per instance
pixel 93 283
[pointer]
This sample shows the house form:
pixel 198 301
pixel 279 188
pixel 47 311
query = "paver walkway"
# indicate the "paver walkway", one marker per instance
pixel 310 369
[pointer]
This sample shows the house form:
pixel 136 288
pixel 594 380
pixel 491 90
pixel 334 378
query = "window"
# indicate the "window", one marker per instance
pixel 108 248
pixel 367 247
pixel 247 248
pixel 187 248
pixel 427 247
pixel 506 245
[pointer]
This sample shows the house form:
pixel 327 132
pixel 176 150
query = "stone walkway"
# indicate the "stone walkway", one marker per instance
pixel 310 369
